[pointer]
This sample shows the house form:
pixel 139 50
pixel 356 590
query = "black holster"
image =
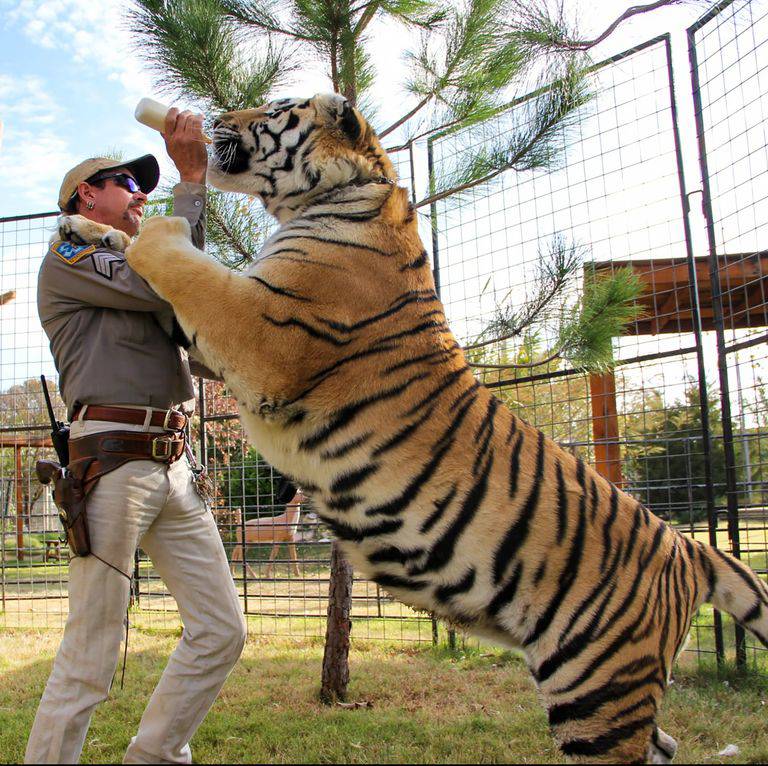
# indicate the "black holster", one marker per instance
pixel 69 494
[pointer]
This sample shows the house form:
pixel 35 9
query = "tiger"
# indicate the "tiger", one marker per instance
pixel 348 378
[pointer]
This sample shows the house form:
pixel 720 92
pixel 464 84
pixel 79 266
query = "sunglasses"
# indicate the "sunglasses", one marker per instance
pixel 121 179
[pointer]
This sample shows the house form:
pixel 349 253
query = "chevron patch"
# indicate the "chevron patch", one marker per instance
pixel 103 263
pixel 70 253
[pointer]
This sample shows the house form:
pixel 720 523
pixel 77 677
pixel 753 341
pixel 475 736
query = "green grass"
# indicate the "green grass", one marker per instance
pixel 31 572
pixel 429 705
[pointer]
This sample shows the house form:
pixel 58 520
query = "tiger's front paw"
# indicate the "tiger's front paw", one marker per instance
pixel 116 240
pixel 156 238
pixel 75 229
pixel 79 230
pixel 82 231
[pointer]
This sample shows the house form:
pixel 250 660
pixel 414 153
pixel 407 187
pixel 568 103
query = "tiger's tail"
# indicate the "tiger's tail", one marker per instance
pixel 734 588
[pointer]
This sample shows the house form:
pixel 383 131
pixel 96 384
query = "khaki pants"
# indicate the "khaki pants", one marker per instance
pixel 156 506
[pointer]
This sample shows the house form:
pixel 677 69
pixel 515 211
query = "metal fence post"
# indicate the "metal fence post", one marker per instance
pixel 2 546
pixel 433 218
pixel 203 419
pixel 435 275
pixel 717 309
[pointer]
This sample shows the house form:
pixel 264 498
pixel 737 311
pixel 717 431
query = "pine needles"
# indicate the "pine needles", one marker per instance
pixel 195 49
pixel 607 305
pixel 581 324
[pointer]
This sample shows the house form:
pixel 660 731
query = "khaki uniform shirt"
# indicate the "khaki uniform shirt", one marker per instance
pixel 110 333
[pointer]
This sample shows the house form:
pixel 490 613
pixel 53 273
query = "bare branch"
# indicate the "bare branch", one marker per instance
pixel 532 310
pixel 286 32
pixel 395 125
pixel 631 11
pixel 232 238
pixel 434 131
pixel 519 154
pixel 498 339
pixel 584 45
pixel 521 366
pixel 469 185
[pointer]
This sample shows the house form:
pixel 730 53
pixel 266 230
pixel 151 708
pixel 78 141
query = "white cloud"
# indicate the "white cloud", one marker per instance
pixel 98 41
pixel 25 98
pixel 32 164
pixel 35 154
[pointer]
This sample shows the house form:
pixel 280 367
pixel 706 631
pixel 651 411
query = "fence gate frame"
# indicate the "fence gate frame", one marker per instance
pixel 723 349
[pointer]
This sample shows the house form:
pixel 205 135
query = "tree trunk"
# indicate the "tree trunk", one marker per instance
pixel 336 656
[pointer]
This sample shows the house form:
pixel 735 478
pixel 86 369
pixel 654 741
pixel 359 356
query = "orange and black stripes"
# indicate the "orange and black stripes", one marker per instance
pixel 515 537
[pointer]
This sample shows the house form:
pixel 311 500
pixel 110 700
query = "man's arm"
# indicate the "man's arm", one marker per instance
pixel 184 143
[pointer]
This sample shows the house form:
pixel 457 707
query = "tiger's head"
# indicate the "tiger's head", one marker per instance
pixel 291 151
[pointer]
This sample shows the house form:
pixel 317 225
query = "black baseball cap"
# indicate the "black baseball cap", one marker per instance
pixel 144 169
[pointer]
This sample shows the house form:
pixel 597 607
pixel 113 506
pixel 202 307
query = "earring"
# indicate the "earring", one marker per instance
pixel 90 205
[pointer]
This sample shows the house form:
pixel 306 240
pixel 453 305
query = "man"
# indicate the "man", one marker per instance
pixel 120 372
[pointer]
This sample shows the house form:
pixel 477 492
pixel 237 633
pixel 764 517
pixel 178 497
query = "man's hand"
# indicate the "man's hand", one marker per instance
pixel 183 137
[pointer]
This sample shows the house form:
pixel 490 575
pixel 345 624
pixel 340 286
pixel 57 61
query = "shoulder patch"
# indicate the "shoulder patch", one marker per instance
pixel 70 253
pixel 104 261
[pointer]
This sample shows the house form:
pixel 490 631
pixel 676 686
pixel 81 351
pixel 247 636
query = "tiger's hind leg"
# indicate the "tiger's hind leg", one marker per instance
pixel 662 747
pixel 609 741
pixel 610 717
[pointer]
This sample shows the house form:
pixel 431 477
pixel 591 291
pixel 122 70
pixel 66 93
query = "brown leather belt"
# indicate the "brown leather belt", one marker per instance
pixel 170 420
pixel 90 458
pixel 113 448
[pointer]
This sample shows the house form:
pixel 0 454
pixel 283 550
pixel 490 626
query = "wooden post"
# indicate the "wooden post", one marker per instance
pixel 605 426
pixel 19 507
pixel 18 442
pixel 336 656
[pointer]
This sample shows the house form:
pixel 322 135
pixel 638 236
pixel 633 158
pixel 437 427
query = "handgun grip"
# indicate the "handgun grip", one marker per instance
pixel 46 470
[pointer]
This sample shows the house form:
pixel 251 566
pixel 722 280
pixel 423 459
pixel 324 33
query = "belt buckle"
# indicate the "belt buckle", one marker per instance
pixel 167 421
pixel 166 443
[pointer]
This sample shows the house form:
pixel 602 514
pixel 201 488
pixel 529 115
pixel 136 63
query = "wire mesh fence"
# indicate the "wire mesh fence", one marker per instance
pixel 680 422
pixel 618 198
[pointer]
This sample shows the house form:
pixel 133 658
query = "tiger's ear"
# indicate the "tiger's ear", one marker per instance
pixel 350 122
pixel 342 113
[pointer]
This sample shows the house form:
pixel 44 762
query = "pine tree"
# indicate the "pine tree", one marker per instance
pixel 470 60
